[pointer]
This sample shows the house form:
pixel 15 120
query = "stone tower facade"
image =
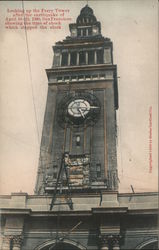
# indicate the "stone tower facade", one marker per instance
pixel 77 205
pixel 80 117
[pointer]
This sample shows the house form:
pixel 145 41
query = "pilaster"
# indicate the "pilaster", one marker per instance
pixel 7 241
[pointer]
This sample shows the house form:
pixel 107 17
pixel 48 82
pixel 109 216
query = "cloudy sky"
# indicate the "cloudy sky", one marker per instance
pixel 132 26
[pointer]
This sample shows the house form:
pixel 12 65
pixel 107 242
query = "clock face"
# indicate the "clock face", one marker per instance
pixel 78 110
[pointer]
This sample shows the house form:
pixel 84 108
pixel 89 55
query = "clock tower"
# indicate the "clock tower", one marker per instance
pixel 78 146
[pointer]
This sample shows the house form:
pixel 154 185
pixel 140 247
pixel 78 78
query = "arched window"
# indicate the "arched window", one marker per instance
pixel 63 246
pixel 150 244
pixel 153 245
pixel 60 245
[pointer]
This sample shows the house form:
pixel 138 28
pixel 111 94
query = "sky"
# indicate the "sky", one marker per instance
pixel 133 28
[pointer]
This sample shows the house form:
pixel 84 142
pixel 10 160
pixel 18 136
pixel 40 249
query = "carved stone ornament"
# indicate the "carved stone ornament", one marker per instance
pixel 110 240
pixel 17 240
pixel 104 240
pixel 7 241
pixel 116 240
pixel 14 240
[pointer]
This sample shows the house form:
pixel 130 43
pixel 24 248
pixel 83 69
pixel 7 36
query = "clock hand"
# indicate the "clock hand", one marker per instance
pixel 80 110
pixel 94 107
pixel 87 109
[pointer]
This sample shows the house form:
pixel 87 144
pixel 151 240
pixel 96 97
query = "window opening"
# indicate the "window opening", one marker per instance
pixel 78 32
pixel 87 77
pixel 95 77
pixel 90 57
pixel 74 78
pixel 102 76
pixel 54 175
pixel 73 58
pixel 89 31
pixel 98 170
pixel 64 59
pixel 54 168
pixel 99 56
pixel 81 77
pixel 78 140
pixel 84 32
pixel 59 79
pixel 66 78
pixel 82 58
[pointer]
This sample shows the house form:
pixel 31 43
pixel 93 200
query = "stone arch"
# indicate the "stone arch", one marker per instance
pixel 50 245
pixel 149 244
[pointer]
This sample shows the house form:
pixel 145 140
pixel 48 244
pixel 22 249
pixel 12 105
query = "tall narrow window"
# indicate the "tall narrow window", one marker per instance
pixel 73 58
pixel 99 56
pixel 89 31
pixel 90 57
pixel 55 171
pixel 78 140
pixel 55 168
pixel 80 77
pixel 78 32
pixel 98 170
pixel 57 56
pixel 54 175
pixel 59 79
pixel 84 32
pixel 66 78
pixel 64 59
pixel 82 58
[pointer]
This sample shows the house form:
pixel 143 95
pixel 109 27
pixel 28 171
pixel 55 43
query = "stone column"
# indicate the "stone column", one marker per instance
pixel 60 59
pixel 17 242
pixel 69 59
pixel 77 58
pixel 116 242
pixel 104 242
pixel 95 57
pixel 86 57
pixel 6 242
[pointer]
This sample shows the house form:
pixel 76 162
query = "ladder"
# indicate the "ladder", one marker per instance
pixel 63 166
